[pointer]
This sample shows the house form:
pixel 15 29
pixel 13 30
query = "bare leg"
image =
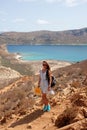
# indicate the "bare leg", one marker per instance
pixel 44 99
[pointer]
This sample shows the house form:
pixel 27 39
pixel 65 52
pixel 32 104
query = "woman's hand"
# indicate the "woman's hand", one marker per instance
pixel 38 84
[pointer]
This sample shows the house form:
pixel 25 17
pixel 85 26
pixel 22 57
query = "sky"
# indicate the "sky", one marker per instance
pixel 33 15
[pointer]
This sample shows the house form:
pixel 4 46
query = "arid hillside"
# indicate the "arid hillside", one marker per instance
pixel 7 76
pixel 78 36
pixel 21 109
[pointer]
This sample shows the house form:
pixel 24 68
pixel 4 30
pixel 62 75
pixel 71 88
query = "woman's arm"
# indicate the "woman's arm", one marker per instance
pixel 39 81
pixel 50 79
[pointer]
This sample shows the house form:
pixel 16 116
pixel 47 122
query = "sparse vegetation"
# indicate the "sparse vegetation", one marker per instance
pixel 66 117
pixel 69 104
pixel 79 99
pixel 22 68
pixel 76 111
pixel 78 36
pixel 17 99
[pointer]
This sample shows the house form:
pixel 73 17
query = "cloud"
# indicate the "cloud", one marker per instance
pixel 69 3
pixel 42 22
pixel 75 2
pixel 27 0
pixel 19 20
pixel 53 1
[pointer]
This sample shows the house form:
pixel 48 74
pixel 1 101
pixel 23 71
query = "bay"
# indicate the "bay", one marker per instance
pixel 71 53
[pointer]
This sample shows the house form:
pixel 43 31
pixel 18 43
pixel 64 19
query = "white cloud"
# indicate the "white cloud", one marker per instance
pixel 19 20
pixel 64 2
pixel 41 21
pixel 71 2
pixel 27 0
pixel 53 1
pixel 68 2
pixel 75 2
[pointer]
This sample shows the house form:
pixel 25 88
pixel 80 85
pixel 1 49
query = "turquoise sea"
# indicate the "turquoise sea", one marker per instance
pixel 71 53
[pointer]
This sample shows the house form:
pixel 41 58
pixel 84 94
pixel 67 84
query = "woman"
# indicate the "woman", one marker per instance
pixel 45 84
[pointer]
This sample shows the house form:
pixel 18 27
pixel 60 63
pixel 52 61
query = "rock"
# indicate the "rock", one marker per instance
pixel 79 99
pixel 67 117
pixel 22 112
pixel 29 126
pixel 7 76
pixel 76 84
pixel 53 119
pixel 85 81
pixel 67 90
pixel 84 111
pixel 6 72
pixel 78 117
pixel 53 102
pixel 3 120
pixel 13 116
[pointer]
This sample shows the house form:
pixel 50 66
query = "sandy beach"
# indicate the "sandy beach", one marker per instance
pixel 36 65
pixel 54 64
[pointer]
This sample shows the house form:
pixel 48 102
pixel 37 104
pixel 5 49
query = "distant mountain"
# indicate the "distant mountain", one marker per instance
pixel 78 36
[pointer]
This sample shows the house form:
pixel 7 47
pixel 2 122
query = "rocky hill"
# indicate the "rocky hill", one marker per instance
pixel 21 109
pixel 78 36
pixel 7 76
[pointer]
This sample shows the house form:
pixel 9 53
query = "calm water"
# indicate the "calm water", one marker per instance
pixel 71 53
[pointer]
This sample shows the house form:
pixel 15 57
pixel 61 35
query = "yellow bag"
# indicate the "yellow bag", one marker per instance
pixel 37 90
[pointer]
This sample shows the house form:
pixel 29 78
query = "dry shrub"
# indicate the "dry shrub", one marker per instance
pixel 84 125
pixel 76 84
pixel 85 81
pixel 86 90
pixel 16 99
pixel 79 99
pixel 66 117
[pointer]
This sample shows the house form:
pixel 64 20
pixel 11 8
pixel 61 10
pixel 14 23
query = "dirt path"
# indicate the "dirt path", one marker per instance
pixel 36 120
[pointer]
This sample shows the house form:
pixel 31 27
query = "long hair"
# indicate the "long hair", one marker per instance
pixel 48 69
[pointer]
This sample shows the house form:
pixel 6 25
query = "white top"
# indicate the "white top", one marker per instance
pixel 43 82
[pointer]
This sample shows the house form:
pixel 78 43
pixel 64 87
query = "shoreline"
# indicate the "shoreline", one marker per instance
pixel 18 57
pixel 59 44
pixel 22 57
pixel 15 58
pixel 37 65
